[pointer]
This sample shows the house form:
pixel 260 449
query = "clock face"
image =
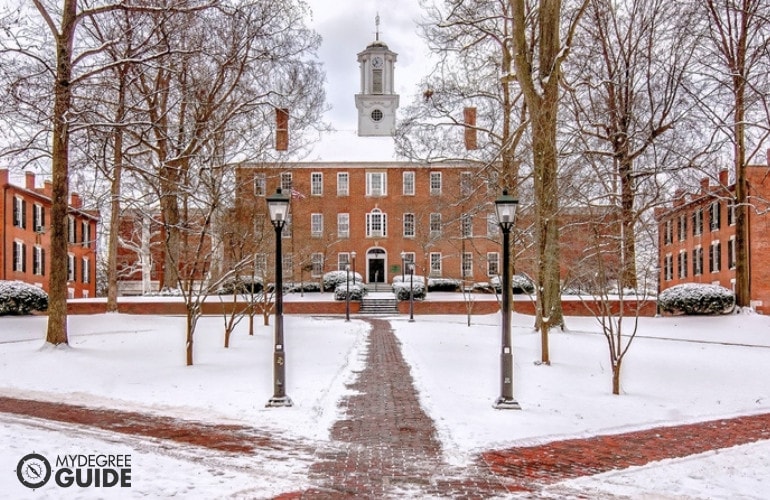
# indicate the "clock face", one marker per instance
pixel 377 62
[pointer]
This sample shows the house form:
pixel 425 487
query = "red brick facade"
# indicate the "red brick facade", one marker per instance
pixel 696 236
pixel 25 238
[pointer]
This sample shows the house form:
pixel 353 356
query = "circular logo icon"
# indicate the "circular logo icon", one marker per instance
pixel 33 470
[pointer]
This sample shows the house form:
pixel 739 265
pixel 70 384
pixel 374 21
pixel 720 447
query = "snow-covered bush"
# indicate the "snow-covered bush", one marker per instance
pixel 242 285
pixel 443 285
pixel 401 288
pixel 304 286
pixel 357 291
pixel 696 298
pixel 333 278
pixel 519 284
pixel 17 298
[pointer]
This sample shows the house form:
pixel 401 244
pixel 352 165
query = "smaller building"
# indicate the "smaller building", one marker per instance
pixel 696 236
pixel 26 241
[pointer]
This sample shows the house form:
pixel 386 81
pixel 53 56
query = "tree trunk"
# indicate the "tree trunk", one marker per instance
pixel 190 336
pixel 628 235
pixel 169 205
pixel 616 377
pixel 228 332
pixel 117 173
pixel 57 284
pixel 742 258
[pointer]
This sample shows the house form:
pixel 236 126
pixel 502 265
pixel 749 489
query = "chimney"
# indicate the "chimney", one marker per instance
pixel 48 188
pixel 768 157
pixel 3 176
pixel 281 129
pixel 724 178
pixel 704 185
pixel 679 198
pixel 29 180
pixel 469 117
pixel 75 201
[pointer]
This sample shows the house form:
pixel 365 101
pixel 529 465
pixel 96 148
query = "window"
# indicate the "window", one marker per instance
pixel 376 224
pixel 259 224
pixel 408 261
pixel 682 264
pixel 343 184
pixel 377 81
pixel 493 263
pixel 731 253
pixel 731 212
pixel 38 216
pixel 71 267
pixel 492 180
pixel 85 270
pixel 466 225
pixel 38 261
pixel 435 183
pixel 376 184
pixel 466 183
pixel 492 227
pixel 71 230
pixel 697 222
pixel 286 182
pixel 287 264
pixel 316 225
pixel 435 264
pixel 697 261
pixel 435 225
pixel 408 225
pixel 317 265
pixel 376 115
pixel 286 230
pixel 715 219
pixel 19 212
pixel 343 225
pixel 408 183
pixel 260 184
pixel 682 227
pixel 343 259
pixel 467 266
pixel 668 267
pixel 316 184
pixel 260 264
pixel 668 232
pixel 19 257
pixel 85 233
pixel 715 257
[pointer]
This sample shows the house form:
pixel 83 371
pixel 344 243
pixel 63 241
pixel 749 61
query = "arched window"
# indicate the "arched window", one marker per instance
pixel 376 224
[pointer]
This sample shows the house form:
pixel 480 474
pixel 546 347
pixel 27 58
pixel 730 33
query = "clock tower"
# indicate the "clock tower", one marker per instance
pixel 376 102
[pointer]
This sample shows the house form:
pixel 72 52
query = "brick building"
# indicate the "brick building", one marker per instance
pixel 25 214
pixel 696 236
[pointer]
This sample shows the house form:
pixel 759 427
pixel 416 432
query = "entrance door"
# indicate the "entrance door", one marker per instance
pixel 375 259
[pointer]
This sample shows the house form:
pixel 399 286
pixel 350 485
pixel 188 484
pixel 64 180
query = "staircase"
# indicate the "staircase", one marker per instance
pixel 379 303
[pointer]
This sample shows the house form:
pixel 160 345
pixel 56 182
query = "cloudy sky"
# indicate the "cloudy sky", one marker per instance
pixel 347 27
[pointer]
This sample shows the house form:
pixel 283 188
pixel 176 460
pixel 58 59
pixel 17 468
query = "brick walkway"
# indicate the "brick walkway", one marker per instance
pixel 386 446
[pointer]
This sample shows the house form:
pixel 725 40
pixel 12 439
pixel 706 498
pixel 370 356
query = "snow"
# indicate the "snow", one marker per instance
pixel 679 370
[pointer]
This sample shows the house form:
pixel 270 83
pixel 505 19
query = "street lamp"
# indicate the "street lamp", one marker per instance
pixel 347 292
pixel 403 260
pixel 353 256
pixel 505 209
pixel 278 206
pixel 411 292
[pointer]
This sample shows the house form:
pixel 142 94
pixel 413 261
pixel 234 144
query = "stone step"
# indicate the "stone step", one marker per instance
pixel 379 305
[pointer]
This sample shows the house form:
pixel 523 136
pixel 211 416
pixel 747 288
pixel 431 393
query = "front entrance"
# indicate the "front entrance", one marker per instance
pixel 375 265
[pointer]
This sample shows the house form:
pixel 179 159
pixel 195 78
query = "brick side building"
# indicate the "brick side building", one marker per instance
pixel 697 236
pixel 25 238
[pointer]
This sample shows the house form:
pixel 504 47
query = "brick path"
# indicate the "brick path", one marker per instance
pixel 386 446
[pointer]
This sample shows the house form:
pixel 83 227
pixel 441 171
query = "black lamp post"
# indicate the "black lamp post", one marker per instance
pixel 347 292
pixel 353 256
pixel 411 292
pixel 505 209
pixel 278 206
pixel 403 261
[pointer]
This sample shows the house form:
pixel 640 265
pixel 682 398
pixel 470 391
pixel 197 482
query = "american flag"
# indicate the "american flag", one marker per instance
pixel 296 195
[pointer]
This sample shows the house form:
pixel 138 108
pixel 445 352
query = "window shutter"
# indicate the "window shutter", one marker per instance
pixel 23 258
pixel 42 262
pixel 23 214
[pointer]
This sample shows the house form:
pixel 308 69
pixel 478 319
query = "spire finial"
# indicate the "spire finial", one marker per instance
pixel 377 26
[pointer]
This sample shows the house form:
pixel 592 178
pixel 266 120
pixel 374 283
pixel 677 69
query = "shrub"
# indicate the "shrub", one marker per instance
pixel 241 285
pixel 19 298
pixel 401 289
pixel 444 285
pixel 357 291
pixel 520 283
pixel 331 279
pixel 696 298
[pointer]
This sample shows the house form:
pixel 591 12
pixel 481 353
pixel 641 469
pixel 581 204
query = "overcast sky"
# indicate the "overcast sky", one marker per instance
pixel 347 27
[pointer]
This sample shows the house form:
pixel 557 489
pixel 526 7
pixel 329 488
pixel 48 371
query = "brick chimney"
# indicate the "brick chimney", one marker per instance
pixel 679 198
pixel 724 178
pixel 75 201
pixel 29 180
pixel 48 188
pixel 768 157
pixel 3 176
pixel 704 185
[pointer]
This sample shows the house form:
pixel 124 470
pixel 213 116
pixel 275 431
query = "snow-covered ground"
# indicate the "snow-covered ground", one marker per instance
pixel 678 370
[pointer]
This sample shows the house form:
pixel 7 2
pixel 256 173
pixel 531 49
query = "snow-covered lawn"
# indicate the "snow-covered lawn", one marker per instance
pixel 678 370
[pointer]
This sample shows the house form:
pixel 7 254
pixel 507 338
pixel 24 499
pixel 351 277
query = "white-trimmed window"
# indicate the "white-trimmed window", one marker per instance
pixel 435 183
pixel 19 257
pixel 71 230
pixel 408 225
pixel 409 262
pixel 260 184
pixel 19 212
pixel 316 183
pixel 466 225
pixel 376 184
pixel 38 260
pixel 668 267
pixel 260 264
pixel 697 261
pixel 376 224
pixel 435 225
pixel 259 225
pixel 343 184
pixel 493 228
pixel 71 267
pixel 715 257
pixel 493 264
pixel 343 259
pixel 38 218
pixel 435 264
pixel 715 216
pixel 682 264
pixel 343 225
pixel 286 182
pixel 682 227
pixel 668 232
pixel 467 265
pixel 731 253
pixel 85 233
pixel 697 222
pixel 85 270
pixel 731 207
pixel 316 225
pixel 492 180
pixel 409 184
pixel 316 265
pixel 288 265
pixel 286 230
pixel 466 183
